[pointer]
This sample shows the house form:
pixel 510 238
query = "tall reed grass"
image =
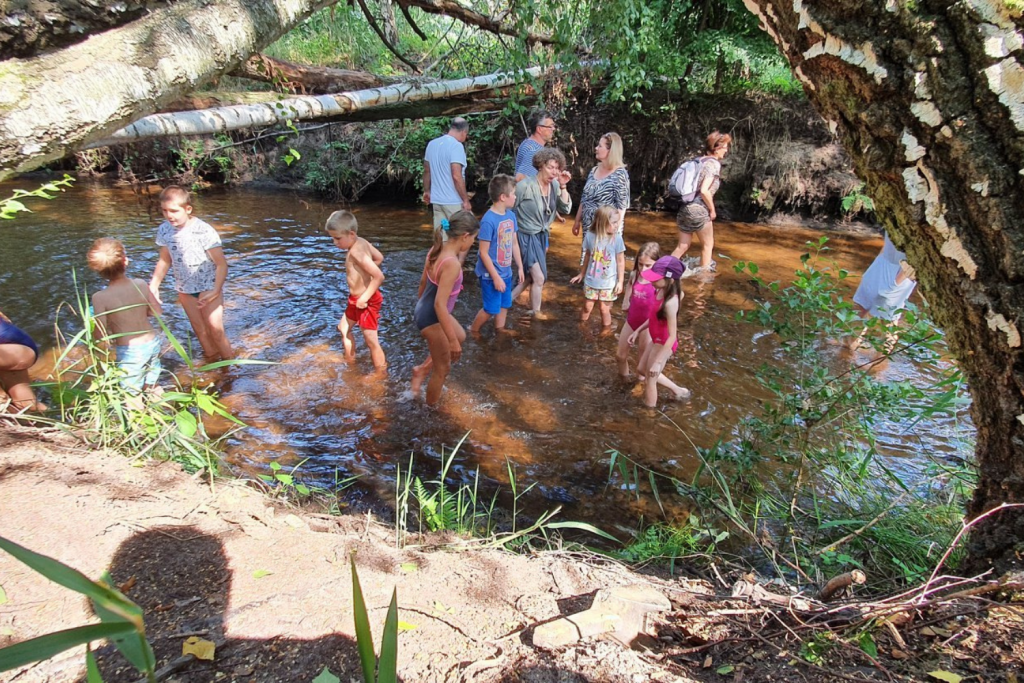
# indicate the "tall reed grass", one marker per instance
pixel 92 402
pixel 476 520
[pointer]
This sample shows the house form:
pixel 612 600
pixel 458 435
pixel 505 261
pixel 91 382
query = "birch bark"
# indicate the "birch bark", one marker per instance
pixel 55 103
pixel 928 99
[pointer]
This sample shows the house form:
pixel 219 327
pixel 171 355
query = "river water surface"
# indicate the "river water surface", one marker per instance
pixel 547 398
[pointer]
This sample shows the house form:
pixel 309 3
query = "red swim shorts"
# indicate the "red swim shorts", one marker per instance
pixel 367 318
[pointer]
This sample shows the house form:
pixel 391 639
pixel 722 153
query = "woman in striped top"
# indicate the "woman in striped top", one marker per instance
pixel 607 185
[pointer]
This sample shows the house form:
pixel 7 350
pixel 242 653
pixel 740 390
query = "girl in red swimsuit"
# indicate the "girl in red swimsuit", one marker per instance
pixel 661 325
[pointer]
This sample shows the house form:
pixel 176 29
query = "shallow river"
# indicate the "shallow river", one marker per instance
pixel 547 399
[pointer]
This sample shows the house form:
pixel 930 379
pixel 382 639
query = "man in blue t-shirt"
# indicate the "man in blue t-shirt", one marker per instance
pixel 543 127
pixel 444 172
pixel 499 247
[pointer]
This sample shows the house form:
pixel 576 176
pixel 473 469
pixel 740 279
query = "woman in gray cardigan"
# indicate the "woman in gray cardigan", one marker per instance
pixel 538 201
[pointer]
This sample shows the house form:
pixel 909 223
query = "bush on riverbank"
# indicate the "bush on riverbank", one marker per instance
pixel 803 484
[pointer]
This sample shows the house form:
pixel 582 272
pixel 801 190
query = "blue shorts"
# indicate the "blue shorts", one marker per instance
pixel 494 300
pixel 140 364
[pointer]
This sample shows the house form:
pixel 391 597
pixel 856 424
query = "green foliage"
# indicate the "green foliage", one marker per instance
pixel 856 202
pixel 284 483
pixel 803 481
pixel 465 512
pixel 346 167
pixel 12 206
pixel 673 542
pixel 461 511
pixel 382 669
pixel 197 158
pixel 637 44
pixel 91 400
pixel 814 650
pixel 337 37
pixel 120 619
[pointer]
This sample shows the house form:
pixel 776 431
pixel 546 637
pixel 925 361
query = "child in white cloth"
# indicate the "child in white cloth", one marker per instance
pixel 884 289
pixel 193 247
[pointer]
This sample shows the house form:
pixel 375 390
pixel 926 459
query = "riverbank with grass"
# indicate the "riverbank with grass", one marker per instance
pixel 270 586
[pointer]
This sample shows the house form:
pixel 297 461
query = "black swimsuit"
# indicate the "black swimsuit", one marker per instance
pixel 9 334
pixel 425 315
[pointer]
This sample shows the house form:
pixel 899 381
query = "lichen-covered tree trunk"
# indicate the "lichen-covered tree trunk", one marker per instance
pixel 28 27
pixel 54 103
pixel 928 98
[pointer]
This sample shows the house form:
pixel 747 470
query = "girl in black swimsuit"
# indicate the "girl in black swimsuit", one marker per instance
pixel 439 286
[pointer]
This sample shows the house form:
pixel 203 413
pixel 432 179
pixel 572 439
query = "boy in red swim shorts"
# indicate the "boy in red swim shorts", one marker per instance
pixel 362 270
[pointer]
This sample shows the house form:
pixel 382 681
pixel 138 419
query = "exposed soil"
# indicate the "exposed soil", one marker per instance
pixel 783 160
pixel 271 586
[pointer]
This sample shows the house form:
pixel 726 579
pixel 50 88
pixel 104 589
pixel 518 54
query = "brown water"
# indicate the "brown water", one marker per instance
pixel 547 399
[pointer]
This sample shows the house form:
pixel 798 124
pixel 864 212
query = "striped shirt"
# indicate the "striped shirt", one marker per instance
pixel 612 190
pixel 524 157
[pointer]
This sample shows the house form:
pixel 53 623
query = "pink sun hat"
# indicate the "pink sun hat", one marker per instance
pixel 666 266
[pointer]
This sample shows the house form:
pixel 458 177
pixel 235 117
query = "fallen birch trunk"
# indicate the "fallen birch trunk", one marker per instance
pixel 305 108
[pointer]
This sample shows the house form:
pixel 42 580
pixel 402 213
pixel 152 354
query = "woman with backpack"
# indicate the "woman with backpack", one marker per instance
pixel 697 213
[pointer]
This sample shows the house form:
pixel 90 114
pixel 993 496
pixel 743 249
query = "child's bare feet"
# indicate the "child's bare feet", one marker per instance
pixel 607 331
pixel 682 394
pixel 420 373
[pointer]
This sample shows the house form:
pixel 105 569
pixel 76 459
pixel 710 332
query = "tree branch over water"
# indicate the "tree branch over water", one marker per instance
pixel 473 18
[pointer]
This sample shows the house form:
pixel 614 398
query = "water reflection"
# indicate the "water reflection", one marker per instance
pixel 547 398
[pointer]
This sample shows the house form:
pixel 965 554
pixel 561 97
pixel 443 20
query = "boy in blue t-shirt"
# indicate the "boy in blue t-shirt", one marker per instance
pixel 499 247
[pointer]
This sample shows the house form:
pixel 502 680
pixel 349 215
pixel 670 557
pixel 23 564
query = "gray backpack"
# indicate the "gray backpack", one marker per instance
pixel 683 185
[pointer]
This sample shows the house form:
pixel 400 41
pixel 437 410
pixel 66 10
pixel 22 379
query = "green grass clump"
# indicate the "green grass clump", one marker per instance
pixel 93 404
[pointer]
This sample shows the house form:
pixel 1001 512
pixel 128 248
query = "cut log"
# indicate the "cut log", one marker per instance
pixel 343 106
pixel 303 79
pixel 473 103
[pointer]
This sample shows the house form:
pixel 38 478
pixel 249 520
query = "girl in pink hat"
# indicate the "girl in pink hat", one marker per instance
pixel 661 325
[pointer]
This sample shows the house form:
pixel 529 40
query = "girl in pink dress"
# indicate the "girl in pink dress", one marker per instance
pixel 638 303
pixel 661 325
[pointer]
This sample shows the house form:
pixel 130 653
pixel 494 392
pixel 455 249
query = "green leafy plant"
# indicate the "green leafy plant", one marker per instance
pixel 465 511
pixel 92 402
pixel 382 669
pixel 855 201
pixel 673 542
pixel 802 482
pixel 13 205
pixel 120 620
pixel 284 482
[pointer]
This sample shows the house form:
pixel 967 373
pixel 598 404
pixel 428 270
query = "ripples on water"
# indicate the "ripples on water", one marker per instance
pixel 547 399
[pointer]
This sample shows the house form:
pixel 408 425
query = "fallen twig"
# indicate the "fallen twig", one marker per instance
pixel 956 539
pixel 841 582
pixel 175 664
